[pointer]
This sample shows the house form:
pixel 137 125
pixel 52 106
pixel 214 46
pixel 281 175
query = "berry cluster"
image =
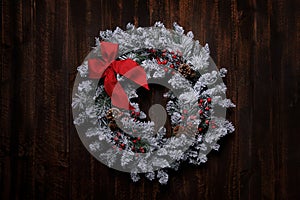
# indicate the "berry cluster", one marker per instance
pixel 135 144
pixel 204 104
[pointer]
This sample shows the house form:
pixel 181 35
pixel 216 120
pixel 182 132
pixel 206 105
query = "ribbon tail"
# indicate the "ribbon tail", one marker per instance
pixel 119 98
pixel 114 89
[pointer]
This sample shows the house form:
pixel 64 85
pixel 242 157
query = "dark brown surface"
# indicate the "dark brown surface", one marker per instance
pixel 42 43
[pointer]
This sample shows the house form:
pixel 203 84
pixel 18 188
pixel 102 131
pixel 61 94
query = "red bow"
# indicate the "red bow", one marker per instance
pixel 108 67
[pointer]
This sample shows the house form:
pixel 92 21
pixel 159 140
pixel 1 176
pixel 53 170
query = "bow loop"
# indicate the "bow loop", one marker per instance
pixel 108 67
pixel 109 51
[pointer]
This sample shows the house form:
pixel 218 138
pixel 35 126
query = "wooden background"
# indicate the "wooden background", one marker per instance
pixel 43 42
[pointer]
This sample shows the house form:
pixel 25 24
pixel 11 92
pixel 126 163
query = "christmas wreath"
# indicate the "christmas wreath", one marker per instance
pixel 107 96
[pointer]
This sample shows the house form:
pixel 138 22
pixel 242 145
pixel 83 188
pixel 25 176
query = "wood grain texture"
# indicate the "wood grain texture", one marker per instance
pixel 43 42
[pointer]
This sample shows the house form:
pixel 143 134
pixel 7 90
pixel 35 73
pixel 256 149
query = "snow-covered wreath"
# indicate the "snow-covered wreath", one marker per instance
pixel 106 101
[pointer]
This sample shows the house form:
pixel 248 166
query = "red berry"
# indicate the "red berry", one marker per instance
pixel 152 50
pixel 174 56
pixel 213 126
pixel 122 145
pixel 134 141
pixel 163 54
pixel 137 113
pixel 200 112
pixel 133 148
pixel 158 61
pixel 164 50
pixel 185 111
pixel 172 52
pixel 116 138
pixel 139 138
pixel 201 101
pixel 166 69
pixel 164 62
pixel 206 121
pixel 172 66
pixel 200 129
pixel 208 99
pixel 206 108
pixel 142 149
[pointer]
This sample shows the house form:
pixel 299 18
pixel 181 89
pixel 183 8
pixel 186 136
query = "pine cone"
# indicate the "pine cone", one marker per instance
pixel 186 71
pixel 109 115
pixel 112 113
pixel 113 125
pixel 176 129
